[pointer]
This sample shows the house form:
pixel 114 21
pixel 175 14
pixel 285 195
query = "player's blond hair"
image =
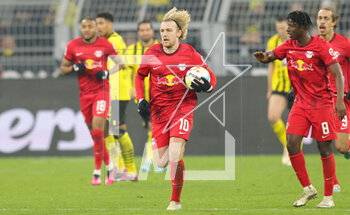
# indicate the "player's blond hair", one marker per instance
pixel 181 18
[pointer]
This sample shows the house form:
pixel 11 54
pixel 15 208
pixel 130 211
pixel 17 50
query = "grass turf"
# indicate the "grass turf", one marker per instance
pixel 262 186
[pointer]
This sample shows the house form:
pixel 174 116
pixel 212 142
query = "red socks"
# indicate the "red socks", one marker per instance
pixel 100 150
pixel 177 170
pixel 298 163
pixel 328 165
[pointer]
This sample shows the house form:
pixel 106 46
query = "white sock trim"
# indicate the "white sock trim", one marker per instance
pixel 97 172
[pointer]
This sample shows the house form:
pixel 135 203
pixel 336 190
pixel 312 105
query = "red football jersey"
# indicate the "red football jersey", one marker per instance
pixel 308 73
pixel 341 48
pixel 94 56
pixel 167 76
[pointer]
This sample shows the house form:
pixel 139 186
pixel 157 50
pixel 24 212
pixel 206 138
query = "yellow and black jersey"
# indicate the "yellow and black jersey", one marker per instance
pixel 134 54
pixel 280 79
pixel 124 76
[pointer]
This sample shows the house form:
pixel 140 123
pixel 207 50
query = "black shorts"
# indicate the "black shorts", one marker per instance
pixel 118 112
pixel 280 93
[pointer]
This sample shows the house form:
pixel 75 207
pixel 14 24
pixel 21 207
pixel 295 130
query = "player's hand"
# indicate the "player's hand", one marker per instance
pixel 202 85
pixel 132 94
pixel 79 67
pixel 143 109
pixel 261 56
pixel 102 75
pixel 340 108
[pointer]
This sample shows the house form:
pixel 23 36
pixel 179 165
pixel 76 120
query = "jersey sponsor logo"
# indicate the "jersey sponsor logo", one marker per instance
pixel 98 53
pixel 181 66
pixel 78 54
pixel 168 80
pixel 309 54
pixel 91 64
pixel 301 65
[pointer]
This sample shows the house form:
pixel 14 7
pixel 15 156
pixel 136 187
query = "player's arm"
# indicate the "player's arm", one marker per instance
pixel 339 81
pixel 270 69
pixel 142 73
pixel 265 57
pixel 66 67
pixel 118 63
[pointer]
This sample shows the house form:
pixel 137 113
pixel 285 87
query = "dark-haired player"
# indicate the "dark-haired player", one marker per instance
pixel 327 20
pixel 87 56
pixel 120 96
pixel 308 59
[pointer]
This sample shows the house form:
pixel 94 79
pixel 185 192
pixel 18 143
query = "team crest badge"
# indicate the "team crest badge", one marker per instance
pixel 181 66
pixel 309 54
pixel 98 53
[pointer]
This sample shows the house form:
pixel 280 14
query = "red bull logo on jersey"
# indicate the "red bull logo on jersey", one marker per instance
pixel 91 64
pixel 301 65
pixel 168 80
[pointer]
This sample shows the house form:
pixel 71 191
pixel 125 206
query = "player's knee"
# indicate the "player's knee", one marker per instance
pixel 175 152
pixel 341 146
pixel 121 133
pixel 273 118
pixel 293 146
pixel 162 163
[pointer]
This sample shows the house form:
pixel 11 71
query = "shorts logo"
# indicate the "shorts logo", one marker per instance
pixel 98 53
pixel 180 132
pixel 324 136
pixel 287 125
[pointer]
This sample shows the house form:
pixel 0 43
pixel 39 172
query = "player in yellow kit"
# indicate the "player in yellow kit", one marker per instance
pixel 145 34
pixel 121 90
pixel 278 86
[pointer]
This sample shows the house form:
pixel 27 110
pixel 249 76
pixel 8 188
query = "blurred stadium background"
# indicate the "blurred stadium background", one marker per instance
pixel 39 109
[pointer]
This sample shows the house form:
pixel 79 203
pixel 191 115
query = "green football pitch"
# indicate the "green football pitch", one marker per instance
pixel 262 186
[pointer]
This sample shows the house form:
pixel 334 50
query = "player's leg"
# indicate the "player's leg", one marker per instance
pixel 177 170
pixel 146 167
pixel 277 104
pixel 324 131
pixel 126 145
pixel 328 165
pixel 342 142
pixel 100 113
pixel 298 126
pixel 341 145
pixel 179 135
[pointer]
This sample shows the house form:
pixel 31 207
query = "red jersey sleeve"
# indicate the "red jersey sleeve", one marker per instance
pixel 146 63
pixel 327 54
pixel 198 60
pixel 347 49
pixel 68 54
pixel 281 51
pixel 110 49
